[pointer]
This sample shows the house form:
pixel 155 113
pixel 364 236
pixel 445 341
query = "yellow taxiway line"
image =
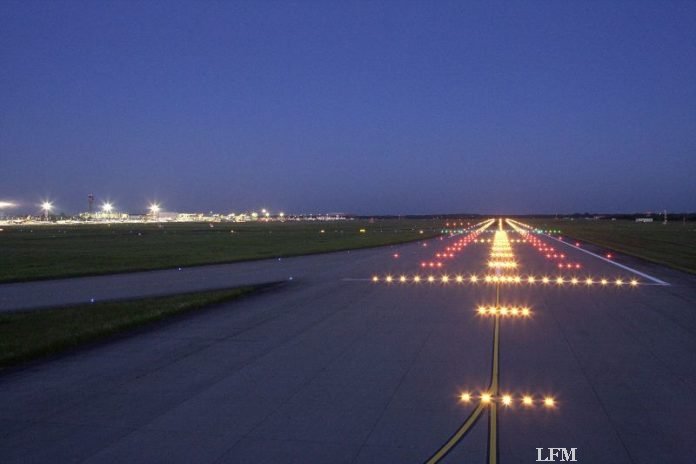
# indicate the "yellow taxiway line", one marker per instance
pixel 473 417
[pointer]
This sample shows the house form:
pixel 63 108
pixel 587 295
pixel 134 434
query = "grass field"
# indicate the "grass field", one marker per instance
pixel 26 336
pixel 672 244
pixel 40 252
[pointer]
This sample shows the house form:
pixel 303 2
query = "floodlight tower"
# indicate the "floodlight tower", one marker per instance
pixel 154 210
pixel 46 206
pixel 107 208
pixel 90 204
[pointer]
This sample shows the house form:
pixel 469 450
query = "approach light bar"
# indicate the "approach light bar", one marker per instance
pixel 503 311
pixel 507 279
pixel 509 399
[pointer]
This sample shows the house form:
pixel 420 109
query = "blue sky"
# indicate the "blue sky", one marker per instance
pixel 363 107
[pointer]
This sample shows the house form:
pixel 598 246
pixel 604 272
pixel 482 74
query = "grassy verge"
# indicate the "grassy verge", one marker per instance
pixel 672 244
pixel 29 335
pixel 41 252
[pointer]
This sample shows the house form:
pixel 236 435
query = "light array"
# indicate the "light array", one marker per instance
pixel 507 279
pixel 503 311
pixel 502 257
pixel 502 268
pixel 488 240
pixel 509 400
pixel 546 250
pixel 502 264
pixel 531 229
pixel 451 251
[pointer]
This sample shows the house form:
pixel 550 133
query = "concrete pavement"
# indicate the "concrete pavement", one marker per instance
pixel 334 370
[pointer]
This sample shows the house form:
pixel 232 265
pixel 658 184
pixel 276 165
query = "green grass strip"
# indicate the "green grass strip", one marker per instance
pixel 672 244
pixel 33 252
pixel 26 336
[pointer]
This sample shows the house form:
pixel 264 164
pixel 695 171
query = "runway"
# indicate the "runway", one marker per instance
pixel 337 368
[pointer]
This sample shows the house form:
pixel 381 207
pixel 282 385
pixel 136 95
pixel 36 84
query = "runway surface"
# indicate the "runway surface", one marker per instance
pixel 336 368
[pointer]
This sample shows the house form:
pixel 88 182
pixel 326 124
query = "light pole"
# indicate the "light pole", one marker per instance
pixel 46 206
pixel 107 208
pixel 154 210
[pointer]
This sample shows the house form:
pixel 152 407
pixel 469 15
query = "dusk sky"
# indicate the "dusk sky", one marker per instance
pixel 360 107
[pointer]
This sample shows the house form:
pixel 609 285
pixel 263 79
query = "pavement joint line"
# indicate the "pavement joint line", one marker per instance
pixel 261 355
pixel 586 376
pixel 297 391
pixel 630 269
pixel 396 389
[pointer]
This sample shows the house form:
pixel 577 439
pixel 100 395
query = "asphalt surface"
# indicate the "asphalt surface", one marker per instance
pixel 335 368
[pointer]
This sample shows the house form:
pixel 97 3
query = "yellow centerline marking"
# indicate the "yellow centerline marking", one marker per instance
pixel 501 244
pixel 493 422
pixel 492 435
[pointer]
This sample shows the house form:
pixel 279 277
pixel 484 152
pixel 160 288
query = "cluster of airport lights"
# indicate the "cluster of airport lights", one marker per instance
pixel 502 270
pixel 106 207
pixel 451 251
pixel 508 400
pixel 543 248
pixel 500 279
pixel 504 311
pixel 502 261
pixel 530 229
